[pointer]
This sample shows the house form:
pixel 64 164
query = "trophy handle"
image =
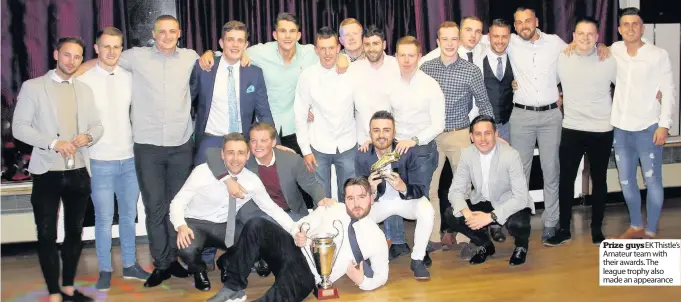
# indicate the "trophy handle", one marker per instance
pixel 305 227
pixel 342 240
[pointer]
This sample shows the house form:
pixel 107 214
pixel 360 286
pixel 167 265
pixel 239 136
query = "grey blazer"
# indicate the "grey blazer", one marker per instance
pixel 35 121
pixel 507 185
pixel 293 176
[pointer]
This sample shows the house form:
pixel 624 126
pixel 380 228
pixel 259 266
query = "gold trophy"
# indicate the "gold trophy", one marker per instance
pixel 324 254
pixel 385 160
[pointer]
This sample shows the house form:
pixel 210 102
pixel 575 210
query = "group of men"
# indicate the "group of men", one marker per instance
pixel 272 119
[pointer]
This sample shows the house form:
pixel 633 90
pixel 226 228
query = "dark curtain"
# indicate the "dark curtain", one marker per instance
pixel 202 20
pixel 30 28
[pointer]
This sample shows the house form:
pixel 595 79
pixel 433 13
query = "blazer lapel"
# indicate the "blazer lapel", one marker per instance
pixel 491 180
pixel 282 177
pixel 213 74
pixel 52 102
pixel 477 170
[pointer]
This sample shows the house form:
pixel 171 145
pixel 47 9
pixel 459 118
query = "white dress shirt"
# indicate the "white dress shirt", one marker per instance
pixel 372 91
pixel 419 108
pixel 218 117
pixel 204 197
pixel 535 67
pixel 330 96
pixel 493 60
pixel 113 95
pixel 370 239
pixel 485 162
pixel 635 105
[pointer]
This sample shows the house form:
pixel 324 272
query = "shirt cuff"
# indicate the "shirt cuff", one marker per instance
pixel 51 146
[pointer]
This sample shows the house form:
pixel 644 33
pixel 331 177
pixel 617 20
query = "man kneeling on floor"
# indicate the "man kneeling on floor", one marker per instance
pixel 204 214
pixel 362 250
pixel 500 196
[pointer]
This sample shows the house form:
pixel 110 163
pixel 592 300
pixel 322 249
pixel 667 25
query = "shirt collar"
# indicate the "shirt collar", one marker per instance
pixel 57 78
pixel 226 64
pixel 155 47
pixel 271 161
pixel 104 71
pixel 493 56
pixel 490 154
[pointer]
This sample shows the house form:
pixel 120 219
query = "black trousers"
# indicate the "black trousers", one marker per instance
pixel 262 238
pixel 573 145
pixel 72 187
pixel 206 234
pixel 161 172
pixel 290 141
pixel 518 225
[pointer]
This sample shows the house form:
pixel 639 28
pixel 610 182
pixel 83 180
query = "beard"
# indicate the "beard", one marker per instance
pixel 529 36
pixel 360 216
pixel 374 57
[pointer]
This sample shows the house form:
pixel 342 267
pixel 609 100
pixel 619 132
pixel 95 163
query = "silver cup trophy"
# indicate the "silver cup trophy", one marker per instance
pixel 324 254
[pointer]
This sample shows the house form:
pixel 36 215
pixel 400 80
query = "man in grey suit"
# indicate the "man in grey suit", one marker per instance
pixel 500 196
pixel 55 114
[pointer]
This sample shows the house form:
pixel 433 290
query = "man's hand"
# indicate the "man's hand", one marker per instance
pixel 467 214
pixel 374 180
pixel 284 148
pixel 245 60
pixel 479 220
pixel 396 181
pixel 81 140
pixel 570 48
pixel 310 116
pixel 310 162
pixel 365 146
pixel 342 64
pixel 603 51
pixel 206 60
pixel 559 101
pixel 404 145
pixel 65 148
pixel 301 239
pixel 354 273
pixel 660 136
pixel 514 84
pixel 185 235
pixel 659 96
pixel 326 202
pixel 234 188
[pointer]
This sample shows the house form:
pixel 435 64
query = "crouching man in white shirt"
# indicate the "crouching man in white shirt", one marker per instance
pixel 361 247
pixel 204 214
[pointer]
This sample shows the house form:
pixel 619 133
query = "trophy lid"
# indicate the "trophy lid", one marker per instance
pixel 323 236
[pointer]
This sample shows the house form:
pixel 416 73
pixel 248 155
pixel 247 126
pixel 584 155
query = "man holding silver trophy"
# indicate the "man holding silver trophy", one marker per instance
pixel 329 243
pixel 398 185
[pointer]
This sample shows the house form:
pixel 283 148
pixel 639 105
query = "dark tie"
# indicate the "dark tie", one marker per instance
pixel 470 56
pixel 500 69
pixel 231 219
pixel 368 271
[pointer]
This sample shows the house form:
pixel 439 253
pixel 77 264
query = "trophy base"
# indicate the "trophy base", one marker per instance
pixel 325 294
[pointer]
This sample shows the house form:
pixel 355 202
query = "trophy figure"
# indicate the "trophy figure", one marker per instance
pixel 384 161
pixel 324 254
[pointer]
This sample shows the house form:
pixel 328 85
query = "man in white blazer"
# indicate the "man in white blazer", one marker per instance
pixel 56 114
pixel 500 195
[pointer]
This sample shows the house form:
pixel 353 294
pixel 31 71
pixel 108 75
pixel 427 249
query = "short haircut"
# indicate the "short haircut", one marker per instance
pixel 382 115
pixel 110 31
pixel 588 20
pixel 286 17
pixel 475 18
pixel 630 11
pixel 409 40
pixel 447 24
pixel 349 21
pixel 234 25
pixel 523 8
pixel 262 126
pixel 501 23
pixel 372 30
pixel 64 40
pixel 325 33
pixel 358 181
pixel 234 137
pixel 480 119
pixel 166 18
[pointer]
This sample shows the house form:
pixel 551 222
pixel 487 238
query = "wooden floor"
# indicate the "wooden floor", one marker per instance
pixel 568 272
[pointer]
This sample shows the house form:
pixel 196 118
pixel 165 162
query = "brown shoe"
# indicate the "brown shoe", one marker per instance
pixel 649 236
pixel 632 233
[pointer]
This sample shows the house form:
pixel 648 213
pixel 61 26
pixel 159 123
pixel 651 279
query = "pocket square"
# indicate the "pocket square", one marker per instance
pixel 250 89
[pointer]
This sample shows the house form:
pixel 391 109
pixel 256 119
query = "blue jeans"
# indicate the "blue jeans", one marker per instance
pixel 111 177
pixel 394 225
pixel 505 131
pixel 345 168
pixel 630 147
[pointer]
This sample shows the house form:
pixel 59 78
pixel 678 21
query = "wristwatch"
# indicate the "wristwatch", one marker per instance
pixel 494 216
pixel 415 139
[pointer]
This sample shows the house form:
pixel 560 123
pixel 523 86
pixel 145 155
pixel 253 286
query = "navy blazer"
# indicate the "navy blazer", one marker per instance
pixel 253 104
pixel 408 167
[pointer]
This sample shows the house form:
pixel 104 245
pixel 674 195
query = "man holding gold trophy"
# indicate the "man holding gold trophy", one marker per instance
pixel 329 243
pixel 399 186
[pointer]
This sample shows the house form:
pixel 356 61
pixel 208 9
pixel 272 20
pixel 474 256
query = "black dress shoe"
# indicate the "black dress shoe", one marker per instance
pixel 157 277
pixel 223 274
pixel 427 261
pixel 176 269
pixel 397 250
pixel 76 297
pixel 518 257
pixel 481 254
pixel 562 236
pixel 497 234
pixel 262 268
pixel 597 237
pixel 201 281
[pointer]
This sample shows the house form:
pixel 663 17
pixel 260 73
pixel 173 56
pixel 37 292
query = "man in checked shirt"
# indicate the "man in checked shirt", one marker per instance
pixel 460 81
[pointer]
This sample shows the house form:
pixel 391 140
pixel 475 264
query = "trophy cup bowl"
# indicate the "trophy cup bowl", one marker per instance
pixel 324 254
pixel 385 160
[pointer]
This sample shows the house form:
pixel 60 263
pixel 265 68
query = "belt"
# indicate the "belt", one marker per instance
pixel 455 129
pixel 541 108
